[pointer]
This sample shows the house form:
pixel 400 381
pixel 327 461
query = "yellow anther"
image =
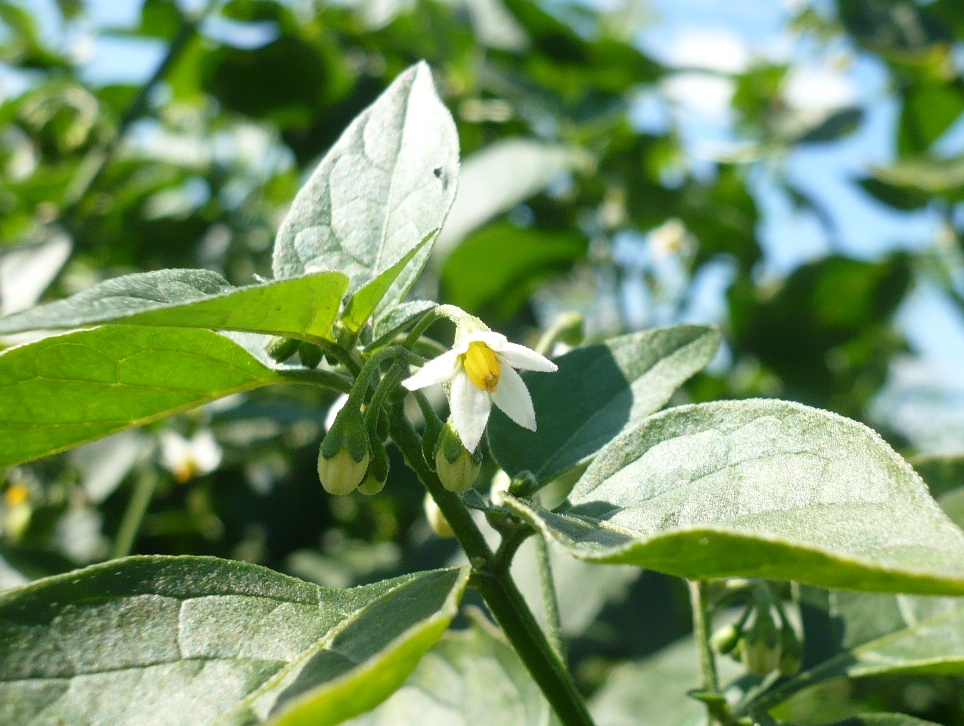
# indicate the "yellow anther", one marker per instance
pixel 482 366
pixel 16 494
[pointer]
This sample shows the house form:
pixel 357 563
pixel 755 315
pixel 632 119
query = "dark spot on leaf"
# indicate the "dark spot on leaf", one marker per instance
pixel 438 172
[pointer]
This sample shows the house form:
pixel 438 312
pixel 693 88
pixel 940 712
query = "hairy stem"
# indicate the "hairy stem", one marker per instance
pixel 130 526
pixel 496 587
pixel 550 598
pixel 717 710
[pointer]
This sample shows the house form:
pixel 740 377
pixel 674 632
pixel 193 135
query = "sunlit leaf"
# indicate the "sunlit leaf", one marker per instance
pixel 469 677
pixel 199 639
pixel 196 299
pixel 68 389
pixel 598 392
pixel 761 489
pixel 385 184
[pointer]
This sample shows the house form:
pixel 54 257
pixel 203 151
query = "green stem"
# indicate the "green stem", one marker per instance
pixel 550 597
pixel 326 379
pixel 496 587
pixel 93 165
pixel 450 312
pixel 716 708
pixel 144 488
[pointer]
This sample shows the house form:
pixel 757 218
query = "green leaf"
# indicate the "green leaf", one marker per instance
pixel 245 80
pixel 384 186
pixel 469 677
pixel 196 299
pixel 499 177
pixel 598 392
pixel 199 639
pixel 653 690
pixel 926 173
pixel 901 198
pixel 363 303
pixel 68 389
pixel 760 488
pixel 396 317
pixel 929 110
pixel 879 635
pixel 883 719
pixel 516 262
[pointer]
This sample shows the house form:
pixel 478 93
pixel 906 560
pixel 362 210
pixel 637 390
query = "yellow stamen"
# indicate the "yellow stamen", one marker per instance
pixel 482 366
pixel 16 494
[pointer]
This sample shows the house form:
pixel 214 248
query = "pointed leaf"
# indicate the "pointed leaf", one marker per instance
pixel 68 389
pixel 760 489
pixel 469 677
pixel 363 303
pixel 196 299
pixel 386 184
pixel 192 640
pixel 598 392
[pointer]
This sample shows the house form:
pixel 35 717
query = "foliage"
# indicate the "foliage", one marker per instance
pixel 422 167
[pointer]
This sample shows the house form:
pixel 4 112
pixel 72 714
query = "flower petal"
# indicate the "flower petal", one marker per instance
pixel 436 370
pixel 518 356
pixel 470 410
pixel 496 341
pixel 512 396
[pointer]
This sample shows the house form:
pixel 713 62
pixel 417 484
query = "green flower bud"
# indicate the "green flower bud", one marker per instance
pixel 457 467
pixel 761 646
pixel 791 651
pixel 343 458
pixel 571 328
pixel 440 525
pixel 377 473
pixel 309 354
pixel 280 348
pixel 725 639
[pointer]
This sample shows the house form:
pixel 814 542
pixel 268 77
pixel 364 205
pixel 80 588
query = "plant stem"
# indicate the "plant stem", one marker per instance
pixel 716 709
pixel 496 587
pixel 130 525
pixel 550 598
pixel 323 378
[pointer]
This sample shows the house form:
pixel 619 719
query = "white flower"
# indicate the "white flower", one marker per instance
pixel 481 369
pixel 188 458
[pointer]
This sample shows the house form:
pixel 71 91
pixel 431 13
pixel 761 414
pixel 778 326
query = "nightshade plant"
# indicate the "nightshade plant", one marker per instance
pixel 729 495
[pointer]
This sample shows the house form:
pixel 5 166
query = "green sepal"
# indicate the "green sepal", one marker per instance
pixel 280 348
pixel 378 468
pixel 309 354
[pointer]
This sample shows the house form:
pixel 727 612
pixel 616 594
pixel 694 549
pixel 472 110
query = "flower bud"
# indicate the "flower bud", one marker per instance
pixel 280 348
pixel 440 525
pixel 761 646
pixel 343 458
pixel 377 473
pixel 457 467
pixel 309 354
pixel 725 639
pixel 791 651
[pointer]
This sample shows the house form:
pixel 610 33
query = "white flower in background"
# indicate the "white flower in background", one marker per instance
pixel 188 458
pixel 481 368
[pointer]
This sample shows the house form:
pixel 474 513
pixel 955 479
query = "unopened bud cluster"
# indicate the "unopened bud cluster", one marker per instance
pixel 767 643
